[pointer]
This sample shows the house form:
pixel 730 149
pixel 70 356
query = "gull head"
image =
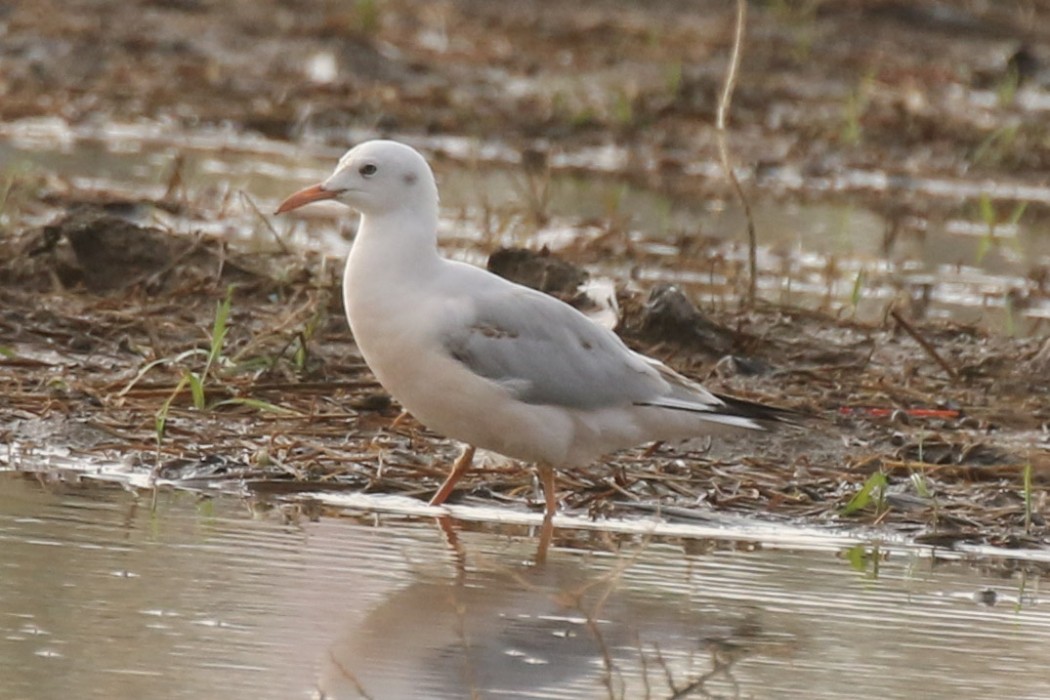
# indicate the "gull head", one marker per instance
pixel 374 178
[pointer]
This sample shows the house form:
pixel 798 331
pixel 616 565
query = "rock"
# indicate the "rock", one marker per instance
pixel 539 270
pixel 101 252
pixel 111 253
pixel 669 316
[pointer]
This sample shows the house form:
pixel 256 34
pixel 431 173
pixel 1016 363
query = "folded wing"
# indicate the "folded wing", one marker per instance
pixel 545 352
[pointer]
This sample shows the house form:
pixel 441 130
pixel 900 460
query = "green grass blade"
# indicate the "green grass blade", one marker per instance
pixel 196 390
pixel 260 405
pixel 1017 213
pixel 160 421
pixel 858 289
pixel 875 483
pixel 219 329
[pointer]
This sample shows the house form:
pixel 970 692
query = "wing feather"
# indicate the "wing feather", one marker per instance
pixel 547 352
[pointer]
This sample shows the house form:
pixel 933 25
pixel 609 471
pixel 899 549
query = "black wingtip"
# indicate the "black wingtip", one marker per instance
pixel 768 416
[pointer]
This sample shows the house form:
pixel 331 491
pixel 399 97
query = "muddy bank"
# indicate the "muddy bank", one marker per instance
pixel 923 116
pixel 951 422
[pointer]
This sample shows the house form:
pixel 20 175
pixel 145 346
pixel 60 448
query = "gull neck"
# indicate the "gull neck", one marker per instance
pixel 404 238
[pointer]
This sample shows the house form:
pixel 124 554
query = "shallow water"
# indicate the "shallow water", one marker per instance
pixel 835 252
pixel 104 598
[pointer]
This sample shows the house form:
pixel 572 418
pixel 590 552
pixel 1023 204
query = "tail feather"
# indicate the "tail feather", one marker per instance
pixel 683 394
pixel 732 411
pixel 768 416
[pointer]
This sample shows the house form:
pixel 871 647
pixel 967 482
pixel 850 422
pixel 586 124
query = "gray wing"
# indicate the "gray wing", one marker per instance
pixel 546 352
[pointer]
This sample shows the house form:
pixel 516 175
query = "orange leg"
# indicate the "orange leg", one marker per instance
pixel 546 473
pixel 458 470
pixel 459 552
pixel 546 534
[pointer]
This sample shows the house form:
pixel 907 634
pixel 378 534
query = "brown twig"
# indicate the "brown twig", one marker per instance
pixel 925 344
pixel 246 198
pixel 723 149
pixel 349 676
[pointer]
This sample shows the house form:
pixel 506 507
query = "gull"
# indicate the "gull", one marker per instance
pixel 488 362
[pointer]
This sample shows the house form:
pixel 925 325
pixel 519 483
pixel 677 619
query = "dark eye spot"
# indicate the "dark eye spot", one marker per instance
pixel 368 169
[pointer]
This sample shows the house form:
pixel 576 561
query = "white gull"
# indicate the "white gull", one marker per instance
pixel 489 362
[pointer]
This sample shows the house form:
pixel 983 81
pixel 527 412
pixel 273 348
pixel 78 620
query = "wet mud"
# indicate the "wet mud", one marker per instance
pixel 107 312
pixel 290 403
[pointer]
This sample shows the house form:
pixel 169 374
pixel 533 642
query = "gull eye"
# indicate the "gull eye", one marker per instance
pixel 368 169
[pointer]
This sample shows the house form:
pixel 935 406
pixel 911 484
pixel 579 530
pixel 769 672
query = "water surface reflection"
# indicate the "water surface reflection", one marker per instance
pixel 102 598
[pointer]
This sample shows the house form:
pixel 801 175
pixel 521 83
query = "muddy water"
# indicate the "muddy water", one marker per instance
pixel 102 598
pixel 840 252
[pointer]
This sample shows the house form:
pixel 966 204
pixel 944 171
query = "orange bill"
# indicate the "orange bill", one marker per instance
pixel 313 193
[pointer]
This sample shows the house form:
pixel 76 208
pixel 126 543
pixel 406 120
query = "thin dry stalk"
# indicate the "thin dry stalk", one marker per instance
pixel 723 149
pixel 348 676
pixel 924 344
pixel 246 198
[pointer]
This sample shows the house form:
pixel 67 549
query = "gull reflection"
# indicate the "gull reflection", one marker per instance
pixel 488 630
